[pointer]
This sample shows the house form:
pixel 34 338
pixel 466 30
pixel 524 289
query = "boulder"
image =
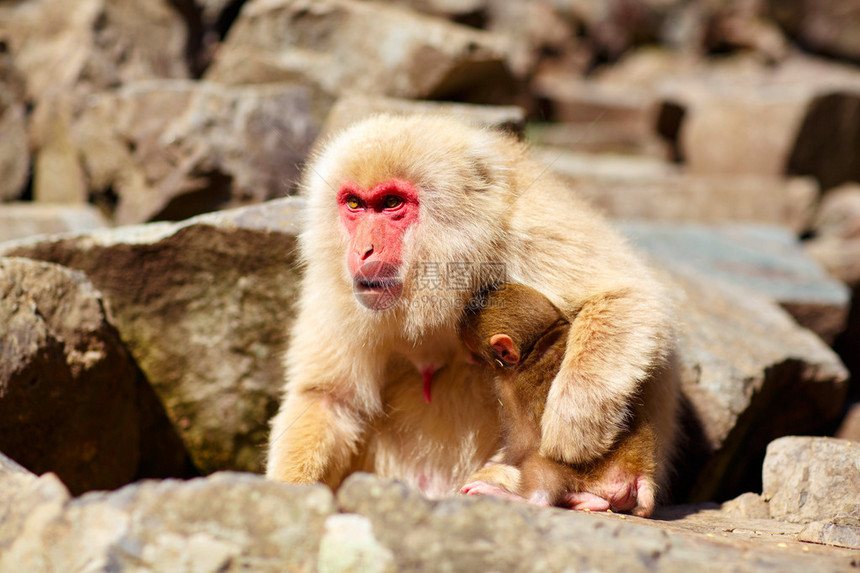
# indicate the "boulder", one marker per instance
pixel 804 113
pixel 101 44
pixel 841 257
pixel 828 139
pixel 227 522
pixel 590 103
pixel 764 259
pixel 236 522
pixel 838 213
pixel 342 46
pixel 72 399
pixel 750 505
pixel 600 138
pixel 826 26
pixel 812 479
pixel 169 150
pixel 749 374
pixel 25 219
pixel 540 34
pixel 433 535
pixel 715 136
pixel 14 156
pixel 835 233
pixel 849 428
pixel 204 307
pixel 58 176
pixel 636 187
pixel 841 531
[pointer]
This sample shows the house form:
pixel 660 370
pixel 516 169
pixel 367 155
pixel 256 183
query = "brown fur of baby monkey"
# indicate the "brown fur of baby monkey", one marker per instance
pixel 522 335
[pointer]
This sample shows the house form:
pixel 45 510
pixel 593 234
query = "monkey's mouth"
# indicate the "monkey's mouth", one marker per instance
pixel 377 286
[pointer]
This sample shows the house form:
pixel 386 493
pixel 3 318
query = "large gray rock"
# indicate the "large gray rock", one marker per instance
pixel 58 176
pixel 827 26
pixel 841 531
pixel 804 113
pixel 812 479
pixel 635 187
pixel 174 149
pixel 828 139
pixel 764 259
pixel 227 522
pixel 601 138
pixel 204 308
pixel 849 428
pixel 14 157
pixel 487 534
pixel 72 399
pixel 715 135
pixel 237 522
pixel 100 44
pixel 749 374
pixel 835 231
pixel 841 257
pixel 342 46
pixel 600 117
pixel 838 213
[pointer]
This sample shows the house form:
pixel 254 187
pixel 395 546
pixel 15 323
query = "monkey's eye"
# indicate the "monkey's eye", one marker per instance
pixel 392 202
pixel 352 202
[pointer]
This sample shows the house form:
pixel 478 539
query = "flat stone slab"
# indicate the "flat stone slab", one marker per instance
pixel 766 259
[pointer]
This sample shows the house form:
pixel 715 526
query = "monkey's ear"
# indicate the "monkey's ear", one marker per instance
pixel 505 348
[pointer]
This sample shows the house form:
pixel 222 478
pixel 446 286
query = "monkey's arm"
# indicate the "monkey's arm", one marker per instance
pixel 317 430
pixel 313 439
pixel 616 342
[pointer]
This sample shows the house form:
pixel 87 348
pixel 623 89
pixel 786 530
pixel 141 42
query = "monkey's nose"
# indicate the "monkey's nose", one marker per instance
pixel 365 252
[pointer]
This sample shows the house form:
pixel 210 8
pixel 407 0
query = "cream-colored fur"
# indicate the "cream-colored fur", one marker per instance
pixel 353 395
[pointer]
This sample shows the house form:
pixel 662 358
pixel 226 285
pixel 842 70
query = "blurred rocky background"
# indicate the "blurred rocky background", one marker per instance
pixel 149 154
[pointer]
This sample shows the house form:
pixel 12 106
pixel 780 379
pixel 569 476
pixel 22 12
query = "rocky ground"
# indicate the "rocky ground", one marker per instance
pixel 148 160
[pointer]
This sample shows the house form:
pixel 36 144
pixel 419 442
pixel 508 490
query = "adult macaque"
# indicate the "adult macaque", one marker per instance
pixel 519 332
pixel 407 218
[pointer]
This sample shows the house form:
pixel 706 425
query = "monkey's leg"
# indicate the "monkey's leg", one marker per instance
pixel 624 480
pixel 313 438
pixel 619 490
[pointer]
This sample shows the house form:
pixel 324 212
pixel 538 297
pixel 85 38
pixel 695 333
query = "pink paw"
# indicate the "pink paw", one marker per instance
pixel 584 501
pixel 617 491
pixel 479 487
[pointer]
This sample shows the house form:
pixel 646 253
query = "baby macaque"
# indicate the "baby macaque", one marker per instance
pixel 522 336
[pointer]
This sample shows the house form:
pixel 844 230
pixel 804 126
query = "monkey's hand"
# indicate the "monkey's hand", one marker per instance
pixel 313 439
pixel 616 341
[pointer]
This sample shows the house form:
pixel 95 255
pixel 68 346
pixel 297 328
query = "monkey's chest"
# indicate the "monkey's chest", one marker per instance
pixel 435 446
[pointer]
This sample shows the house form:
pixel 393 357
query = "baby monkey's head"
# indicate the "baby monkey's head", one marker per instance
pixel 502 325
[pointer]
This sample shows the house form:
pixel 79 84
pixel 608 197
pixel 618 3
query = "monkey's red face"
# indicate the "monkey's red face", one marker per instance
pixel 376 220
